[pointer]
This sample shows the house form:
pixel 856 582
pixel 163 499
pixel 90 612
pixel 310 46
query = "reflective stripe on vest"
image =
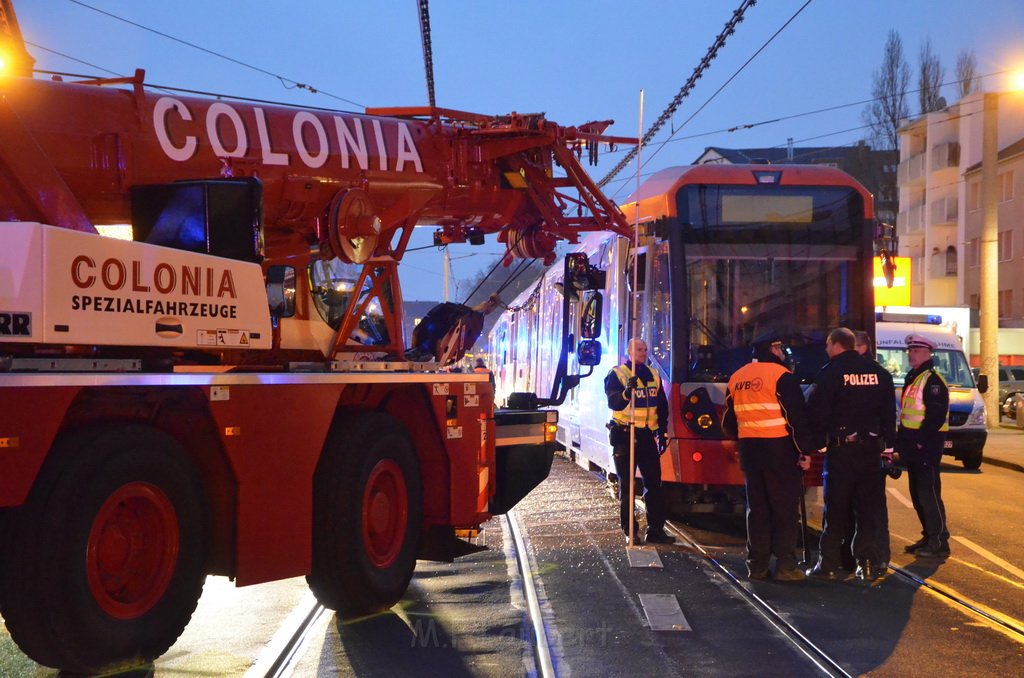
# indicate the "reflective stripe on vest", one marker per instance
pixel 755 400
pixel 646 403
pixel 912 402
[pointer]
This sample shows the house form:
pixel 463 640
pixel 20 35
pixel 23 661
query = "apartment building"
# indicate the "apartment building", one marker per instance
pixel 940 217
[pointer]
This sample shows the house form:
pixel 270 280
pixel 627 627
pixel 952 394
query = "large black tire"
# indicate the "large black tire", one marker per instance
pixel 367 516
pixel 972 461
pixel 104 564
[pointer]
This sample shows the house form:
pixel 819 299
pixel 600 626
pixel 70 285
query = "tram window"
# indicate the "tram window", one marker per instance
pixel 640 273
pixel 661 306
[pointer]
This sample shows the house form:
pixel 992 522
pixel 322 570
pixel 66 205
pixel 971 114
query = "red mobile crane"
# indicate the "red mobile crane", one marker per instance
pixel 177 405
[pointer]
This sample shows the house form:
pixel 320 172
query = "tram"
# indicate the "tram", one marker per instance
pixel 723 255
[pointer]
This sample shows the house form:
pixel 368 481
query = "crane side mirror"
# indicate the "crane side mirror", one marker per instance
pixel 590 325
pixel 281 291
pixel 588 353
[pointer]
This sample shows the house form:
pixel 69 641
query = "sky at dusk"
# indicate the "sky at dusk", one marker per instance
pixel 574 60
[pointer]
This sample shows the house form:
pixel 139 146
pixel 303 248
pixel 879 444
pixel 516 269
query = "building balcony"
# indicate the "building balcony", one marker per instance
pixel 945 156
pixel 910 220
pixel 911 170
pixel 944 210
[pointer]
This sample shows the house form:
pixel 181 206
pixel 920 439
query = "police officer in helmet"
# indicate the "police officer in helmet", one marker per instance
pixel 764 410
pixel 852 409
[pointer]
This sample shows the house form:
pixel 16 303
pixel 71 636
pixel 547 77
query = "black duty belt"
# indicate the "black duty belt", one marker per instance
pixel 842 441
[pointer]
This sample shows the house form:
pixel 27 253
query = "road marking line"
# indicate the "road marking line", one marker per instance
pixel 1012 569
pixel 900 498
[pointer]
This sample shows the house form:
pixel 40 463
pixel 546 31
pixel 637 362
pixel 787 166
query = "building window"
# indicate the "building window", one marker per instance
pixel 950 260
pixel 1005 245
pixel 974 196
pixel 1005 303
pixel 973 253
pixel 1006 186
pixel 975 303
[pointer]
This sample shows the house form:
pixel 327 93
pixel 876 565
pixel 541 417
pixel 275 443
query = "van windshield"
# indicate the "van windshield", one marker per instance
pixel 950 364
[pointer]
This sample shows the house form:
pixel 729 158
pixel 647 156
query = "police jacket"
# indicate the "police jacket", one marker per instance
pixel 924 388
pixel 651 405
pixel 779 408
pixel 853 399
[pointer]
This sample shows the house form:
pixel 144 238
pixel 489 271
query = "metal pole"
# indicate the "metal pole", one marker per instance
pixel 989 283
pixel 803 521
pixel 636 300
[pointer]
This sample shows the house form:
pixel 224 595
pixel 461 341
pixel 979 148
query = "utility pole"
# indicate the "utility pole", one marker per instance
pixel 989 283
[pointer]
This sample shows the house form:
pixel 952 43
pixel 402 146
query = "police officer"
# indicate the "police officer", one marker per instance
pixel 862 344
pixel 764 409
pixel 924 420
pixel 634 380
pixel 853 411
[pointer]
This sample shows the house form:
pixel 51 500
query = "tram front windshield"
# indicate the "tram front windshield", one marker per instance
pixel 769 259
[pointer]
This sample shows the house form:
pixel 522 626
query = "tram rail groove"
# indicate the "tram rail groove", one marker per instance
pixel 805 645
pixel 542 650
pixel 284 648
pixel 1011 625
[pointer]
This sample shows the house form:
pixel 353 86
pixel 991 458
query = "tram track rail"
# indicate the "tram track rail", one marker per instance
pixel 815 654
pixel 1012 627
pixel 541 646
pixel 285 649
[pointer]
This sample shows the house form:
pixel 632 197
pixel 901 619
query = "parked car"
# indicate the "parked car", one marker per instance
pixel 1011 382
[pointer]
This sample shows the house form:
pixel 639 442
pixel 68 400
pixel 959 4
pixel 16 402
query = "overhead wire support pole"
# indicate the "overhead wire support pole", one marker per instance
pixel 428 56
pixel 730 28
pixel 633 336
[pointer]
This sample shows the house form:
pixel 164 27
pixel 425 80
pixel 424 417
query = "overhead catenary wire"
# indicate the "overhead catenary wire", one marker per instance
pixel 428 53
pixel 698 72
pixel 286 81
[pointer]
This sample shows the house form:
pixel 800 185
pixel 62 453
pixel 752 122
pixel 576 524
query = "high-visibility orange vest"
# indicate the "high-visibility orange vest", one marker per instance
pixel 754 400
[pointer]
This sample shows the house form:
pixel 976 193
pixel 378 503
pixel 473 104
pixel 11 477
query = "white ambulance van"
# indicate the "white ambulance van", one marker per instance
pixel 967 431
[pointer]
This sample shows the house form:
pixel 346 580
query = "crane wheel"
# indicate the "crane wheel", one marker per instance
pixel 367 515
pixel 104 563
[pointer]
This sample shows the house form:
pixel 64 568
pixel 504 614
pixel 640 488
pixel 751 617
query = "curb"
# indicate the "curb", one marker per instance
pixel 1003 463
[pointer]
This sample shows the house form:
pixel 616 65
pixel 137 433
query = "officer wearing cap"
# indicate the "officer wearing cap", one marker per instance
pixel 852 410
pixel 764 409
pixel 924 420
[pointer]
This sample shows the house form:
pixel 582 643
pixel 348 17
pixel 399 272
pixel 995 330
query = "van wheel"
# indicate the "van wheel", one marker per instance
pixel 972 461
pixel 105 562
pixel 367 516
